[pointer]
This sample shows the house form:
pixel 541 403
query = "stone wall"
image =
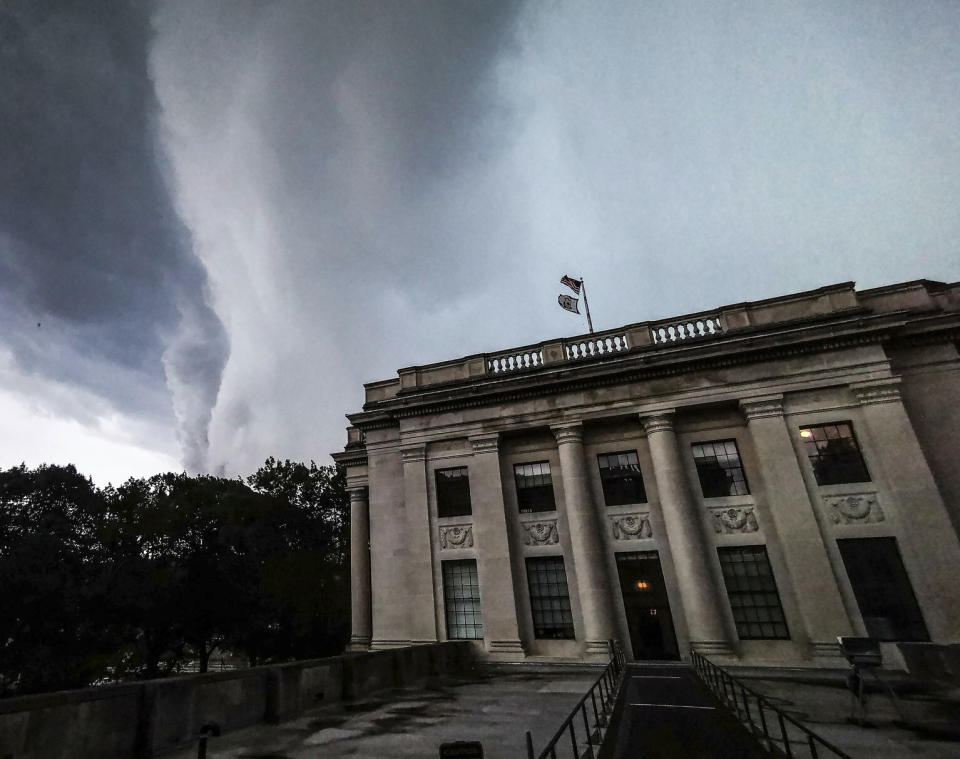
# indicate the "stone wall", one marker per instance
pixel 153 718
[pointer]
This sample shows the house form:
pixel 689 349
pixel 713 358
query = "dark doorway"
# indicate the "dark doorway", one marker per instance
pixel 645 602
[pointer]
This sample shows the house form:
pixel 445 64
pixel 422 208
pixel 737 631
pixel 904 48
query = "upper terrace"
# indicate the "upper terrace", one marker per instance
pixel 812 306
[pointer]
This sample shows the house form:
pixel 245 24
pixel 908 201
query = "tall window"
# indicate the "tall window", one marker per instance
pixel 882 589
pixel 621 478
pixel 549 598
pixel 453 492
pixel 719 469
pixel 834 453
pixel 752 592
pixel 461 600
pixel 534 487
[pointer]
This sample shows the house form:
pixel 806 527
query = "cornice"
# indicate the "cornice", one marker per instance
pixel 627 368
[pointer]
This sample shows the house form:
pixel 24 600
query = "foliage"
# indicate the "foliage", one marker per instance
pixel 135 581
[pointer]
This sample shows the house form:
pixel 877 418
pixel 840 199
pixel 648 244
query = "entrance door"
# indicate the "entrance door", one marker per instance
pixel 645 602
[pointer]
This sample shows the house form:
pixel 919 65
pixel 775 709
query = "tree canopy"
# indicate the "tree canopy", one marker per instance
pixel 136 581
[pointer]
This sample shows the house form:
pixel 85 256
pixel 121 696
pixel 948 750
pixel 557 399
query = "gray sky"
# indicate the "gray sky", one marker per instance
pixel 225 216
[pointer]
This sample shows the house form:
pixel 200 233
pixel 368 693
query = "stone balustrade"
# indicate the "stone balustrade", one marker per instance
pixel 672 332
pixel 596 346
pixel 515 361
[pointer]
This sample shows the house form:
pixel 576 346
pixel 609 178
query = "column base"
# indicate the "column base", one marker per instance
pixel 714 648
pixel 358 643
pixel 505 650
pixel 598 649
pixel 381 644
pixel 826 653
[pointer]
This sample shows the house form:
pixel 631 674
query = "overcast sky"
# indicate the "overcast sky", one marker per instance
pixel 218 219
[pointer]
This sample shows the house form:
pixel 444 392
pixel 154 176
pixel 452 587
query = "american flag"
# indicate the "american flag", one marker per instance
pixel 573 284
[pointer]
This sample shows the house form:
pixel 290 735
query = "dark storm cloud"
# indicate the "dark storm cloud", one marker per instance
pixel 90 247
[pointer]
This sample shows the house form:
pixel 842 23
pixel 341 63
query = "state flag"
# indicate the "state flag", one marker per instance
pixel 568 302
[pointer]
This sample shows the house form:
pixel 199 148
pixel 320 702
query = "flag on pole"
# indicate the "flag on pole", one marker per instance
pixel 568 302
pixel 573 284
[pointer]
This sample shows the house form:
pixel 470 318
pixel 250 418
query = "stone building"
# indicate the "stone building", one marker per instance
pixel 750 481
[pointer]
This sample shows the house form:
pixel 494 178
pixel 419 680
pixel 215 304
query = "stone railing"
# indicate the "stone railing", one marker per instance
pixel 679 331
pixel 525 358
pixel 595 346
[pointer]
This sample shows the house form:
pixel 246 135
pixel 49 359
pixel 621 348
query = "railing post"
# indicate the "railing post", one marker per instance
pixel 529 746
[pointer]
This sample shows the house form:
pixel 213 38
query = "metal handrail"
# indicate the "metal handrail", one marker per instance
pixel 726 688
pixel 602 697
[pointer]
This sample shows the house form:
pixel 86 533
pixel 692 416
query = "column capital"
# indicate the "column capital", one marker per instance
pixel 358 494
pixel 414 452
pixel 885 390
pixel 657 421
pixel 486 443
pixel 568 432
pixel 758 408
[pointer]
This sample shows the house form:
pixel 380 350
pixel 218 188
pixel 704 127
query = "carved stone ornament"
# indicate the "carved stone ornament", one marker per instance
pixel 541 533
pixel 631 526
pixel 861 508
pixel 737 519
pixel 657 423
pixel 414 453
pixel 568 433
pixel 456 536
pixel 485 444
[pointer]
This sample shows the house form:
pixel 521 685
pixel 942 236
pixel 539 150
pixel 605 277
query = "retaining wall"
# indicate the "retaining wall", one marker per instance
pixel 149 719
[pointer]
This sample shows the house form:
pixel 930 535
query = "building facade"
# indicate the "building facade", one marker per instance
pixel 751 482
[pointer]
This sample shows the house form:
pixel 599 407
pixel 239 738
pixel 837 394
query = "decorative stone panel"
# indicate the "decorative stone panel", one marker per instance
pixel 541 533
pixel 857 508
pixel 631 526
pixel 456 536
pixel 734 520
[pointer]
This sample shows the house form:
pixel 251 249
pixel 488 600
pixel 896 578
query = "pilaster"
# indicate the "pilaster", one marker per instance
pixel 812 579
pixel 497 596
pixel 419 598
pixel 361 629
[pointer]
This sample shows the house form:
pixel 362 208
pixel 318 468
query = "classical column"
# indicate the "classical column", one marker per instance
pixel 589 556
pixel 361 629
pixel 493 550
pixel 795 523
pixel 419 599
pixel 928 542
pixel 684 526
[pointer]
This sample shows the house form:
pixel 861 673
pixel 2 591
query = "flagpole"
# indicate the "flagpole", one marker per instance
pixel 586 305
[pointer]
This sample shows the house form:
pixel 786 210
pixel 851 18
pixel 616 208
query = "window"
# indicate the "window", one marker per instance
pixel 461 600
pixel 752 592
pixel 549 598
pixel 719 469
pixel 534 487
pixel 834 453
pixel 882 589
pixel 453 492
pixel 621 478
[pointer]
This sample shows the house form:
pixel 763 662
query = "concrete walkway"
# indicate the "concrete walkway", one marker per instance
pixel 665 712
pixel 496 708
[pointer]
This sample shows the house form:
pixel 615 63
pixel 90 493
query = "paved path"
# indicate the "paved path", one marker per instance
pixel 665 711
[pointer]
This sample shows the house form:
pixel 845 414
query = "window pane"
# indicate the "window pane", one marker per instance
pixel 834 453
pixel 719 469
pixel 882 589
pixel 453 492
pixel 534 487
pixel 549 598
pixel 621 478
pixel 461 600
pixel 758 615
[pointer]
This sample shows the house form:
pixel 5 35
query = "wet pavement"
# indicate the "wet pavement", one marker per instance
pixel 665 712
pixel 495 708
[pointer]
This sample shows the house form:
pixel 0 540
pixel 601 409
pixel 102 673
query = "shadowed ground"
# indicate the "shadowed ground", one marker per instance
pixel 494 708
